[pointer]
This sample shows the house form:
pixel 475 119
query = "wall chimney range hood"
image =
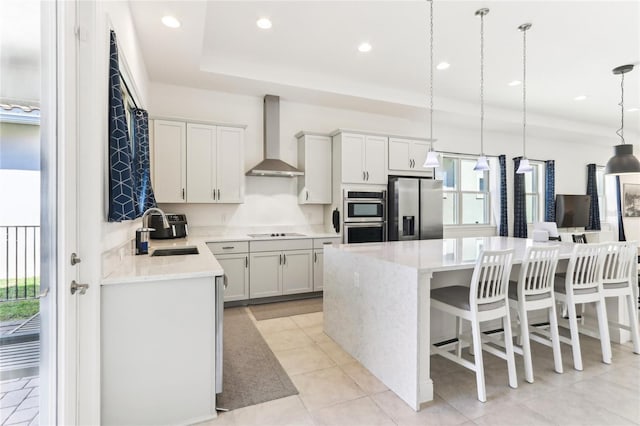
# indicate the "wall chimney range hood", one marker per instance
pixel 272 165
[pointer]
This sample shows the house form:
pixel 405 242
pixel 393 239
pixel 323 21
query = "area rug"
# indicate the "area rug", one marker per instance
pixel 251 372
pixel 286 309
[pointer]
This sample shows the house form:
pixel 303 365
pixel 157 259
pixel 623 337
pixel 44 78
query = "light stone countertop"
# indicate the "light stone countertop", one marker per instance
pixel 143 268
pixel 446 254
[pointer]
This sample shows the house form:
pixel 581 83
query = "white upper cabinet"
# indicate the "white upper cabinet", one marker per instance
pixel 208 166
pixel 364 158
pixel 314 159
pixel 169 161
pixel 407 155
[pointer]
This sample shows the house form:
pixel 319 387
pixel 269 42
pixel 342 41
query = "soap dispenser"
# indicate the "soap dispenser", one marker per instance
pixel 142 240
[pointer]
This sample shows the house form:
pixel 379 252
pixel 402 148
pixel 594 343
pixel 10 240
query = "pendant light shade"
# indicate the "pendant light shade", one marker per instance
pixel 524 167
pixel 432 157
pixel 623 161
pixel 481 164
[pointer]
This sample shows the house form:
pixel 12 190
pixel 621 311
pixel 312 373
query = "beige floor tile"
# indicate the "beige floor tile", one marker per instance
pixel 625 376
pixel 308 320
pixel 367 381
pixel 275 325
pixel 287 339
pixel 336 353
pixel 223 419
pixel 281 412
pixel 566 407
pixel 317 334
pixel 437 412
pixel 303 360
pixel 601 392
pixel 513 414
pixel 359 412
pixel 327 387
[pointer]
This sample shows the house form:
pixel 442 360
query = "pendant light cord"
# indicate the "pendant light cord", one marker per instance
pixel 482 84
pixel 524 93
pixel 431 72
pixel 620 131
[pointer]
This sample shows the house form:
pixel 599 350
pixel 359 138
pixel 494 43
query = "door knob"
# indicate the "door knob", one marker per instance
pixel 82 288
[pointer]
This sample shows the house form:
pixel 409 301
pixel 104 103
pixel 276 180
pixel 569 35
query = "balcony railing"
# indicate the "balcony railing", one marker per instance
pixel 19 262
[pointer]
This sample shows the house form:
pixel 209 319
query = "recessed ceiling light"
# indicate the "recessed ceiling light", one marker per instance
pixel 170 21
pixel 443 65
pixel 364 47
pixel 515 83
pixel 264 23
pixel 634 109
pixel 580 98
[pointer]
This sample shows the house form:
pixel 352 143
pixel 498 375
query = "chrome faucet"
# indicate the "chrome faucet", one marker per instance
pixel 142 234
pixel 145 215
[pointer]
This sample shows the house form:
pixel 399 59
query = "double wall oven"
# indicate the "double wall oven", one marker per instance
pixel 365 216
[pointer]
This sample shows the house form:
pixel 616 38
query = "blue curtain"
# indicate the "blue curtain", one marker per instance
pixel 122 196
pixel 519 202
pixel 504 225
pixel 550 191
pixel 142 170
pixel 592 189
pixel 621 236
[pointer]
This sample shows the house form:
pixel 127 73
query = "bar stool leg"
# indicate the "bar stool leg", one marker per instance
pixel 508 343
pixel 526 344
pixel 633 320
pixel 603 326
pixel 479 364
pixel 555 338
pixel 575 336
pixel 458 333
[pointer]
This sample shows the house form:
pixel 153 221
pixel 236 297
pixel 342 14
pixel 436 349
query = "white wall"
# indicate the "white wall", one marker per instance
pixel 455 133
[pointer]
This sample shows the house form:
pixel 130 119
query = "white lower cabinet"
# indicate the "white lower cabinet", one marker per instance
pixel 318 264
pixel 280 272
pixel 236 275
pixel 233 256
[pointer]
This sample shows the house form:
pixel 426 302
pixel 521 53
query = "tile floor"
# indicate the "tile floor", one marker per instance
pixel 336 390
pixel 19 399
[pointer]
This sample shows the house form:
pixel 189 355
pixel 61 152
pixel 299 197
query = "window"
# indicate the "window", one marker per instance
pixel 534 192
pixel 465 196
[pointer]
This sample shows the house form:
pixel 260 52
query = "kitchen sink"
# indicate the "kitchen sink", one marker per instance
pixel 175 251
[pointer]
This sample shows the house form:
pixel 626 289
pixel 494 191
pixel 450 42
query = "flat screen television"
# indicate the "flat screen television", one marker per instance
pixel 572 211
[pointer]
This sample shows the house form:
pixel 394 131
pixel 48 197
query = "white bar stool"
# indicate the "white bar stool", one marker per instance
pixel 484 300
pixel 534 291
pixel 582 283
pixel 617 281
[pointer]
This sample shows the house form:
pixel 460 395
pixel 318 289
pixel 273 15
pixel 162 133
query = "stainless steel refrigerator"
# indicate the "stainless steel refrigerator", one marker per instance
pixel 414 208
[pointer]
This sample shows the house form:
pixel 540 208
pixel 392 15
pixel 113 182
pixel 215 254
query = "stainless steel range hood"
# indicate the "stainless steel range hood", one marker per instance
pixel 272 165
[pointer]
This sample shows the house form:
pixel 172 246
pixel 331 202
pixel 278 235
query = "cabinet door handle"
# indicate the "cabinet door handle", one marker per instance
pixel 218 195
pixel 367 175
pixel 315 257
pixel 183 193
pixel 280 261
pixel 364 175
pixel 213 194
pixel 246 261
pixel 284 260
pixel 307 195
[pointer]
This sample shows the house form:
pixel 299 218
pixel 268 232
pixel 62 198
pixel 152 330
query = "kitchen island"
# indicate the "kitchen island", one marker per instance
pixel 160 330
pixel 377 302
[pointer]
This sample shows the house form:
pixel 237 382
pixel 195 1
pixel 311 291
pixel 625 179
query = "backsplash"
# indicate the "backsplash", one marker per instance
pixel 268 201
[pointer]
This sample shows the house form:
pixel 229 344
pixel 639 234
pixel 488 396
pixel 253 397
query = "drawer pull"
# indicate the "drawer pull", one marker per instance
pixel 326 242
pixel 228 247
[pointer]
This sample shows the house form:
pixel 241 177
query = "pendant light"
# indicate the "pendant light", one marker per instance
pixel 623 161
pixel 432 156
pixel 524 167
pixel 482 165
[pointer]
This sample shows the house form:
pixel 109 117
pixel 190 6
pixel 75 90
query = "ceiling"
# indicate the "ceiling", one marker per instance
pixel 310 54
